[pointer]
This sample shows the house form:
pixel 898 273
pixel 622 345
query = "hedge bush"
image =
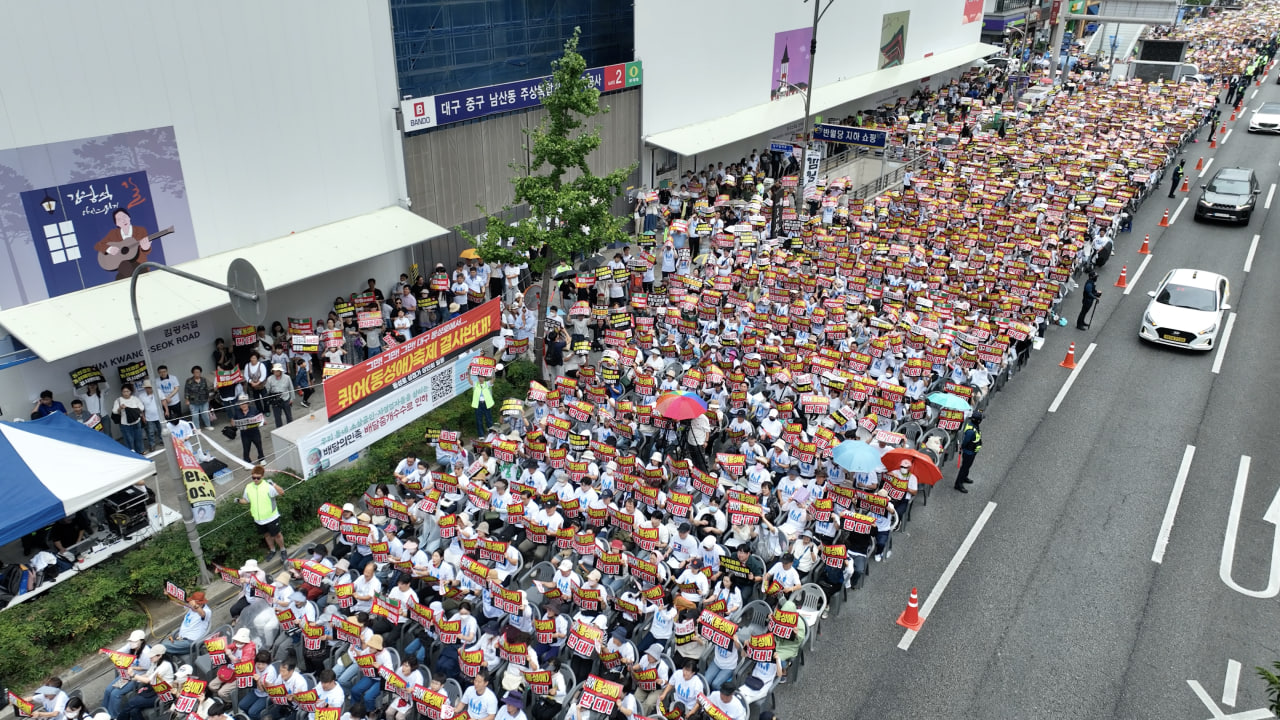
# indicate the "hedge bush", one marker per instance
pixel 95 608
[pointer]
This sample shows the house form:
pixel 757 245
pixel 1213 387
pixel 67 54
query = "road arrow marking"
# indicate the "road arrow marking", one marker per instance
pixel 1272 515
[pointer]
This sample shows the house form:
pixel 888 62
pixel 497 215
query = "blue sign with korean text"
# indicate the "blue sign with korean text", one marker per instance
pixel 435 110
pixel 780 147
pixel 850 135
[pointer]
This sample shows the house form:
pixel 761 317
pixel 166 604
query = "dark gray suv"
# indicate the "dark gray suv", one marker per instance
pixel 1229 195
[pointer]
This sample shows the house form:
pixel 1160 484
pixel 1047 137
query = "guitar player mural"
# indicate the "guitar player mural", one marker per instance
pixel 95 209
pixel 127 245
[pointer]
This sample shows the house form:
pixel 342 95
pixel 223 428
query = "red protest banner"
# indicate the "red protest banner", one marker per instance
pixel 362 383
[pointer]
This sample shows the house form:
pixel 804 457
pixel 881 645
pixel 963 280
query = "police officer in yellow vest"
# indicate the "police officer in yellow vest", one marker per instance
pixel 482 401
pixel 260 495
pixel 970 444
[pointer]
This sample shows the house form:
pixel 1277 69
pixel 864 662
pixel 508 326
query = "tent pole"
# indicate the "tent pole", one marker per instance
pixel 193 535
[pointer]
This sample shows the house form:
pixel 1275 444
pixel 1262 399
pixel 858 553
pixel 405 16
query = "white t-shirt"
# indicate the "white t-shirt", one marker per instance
pixel 685 691
pixel 481 706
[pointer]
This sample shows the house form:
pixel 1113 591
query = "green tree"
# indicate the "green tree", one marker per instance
pixel 570 207
pixel 1273 686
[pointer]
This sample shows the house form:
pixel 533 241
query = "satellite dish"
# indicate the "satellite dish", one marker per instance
pixel 533 297
pixel 248 294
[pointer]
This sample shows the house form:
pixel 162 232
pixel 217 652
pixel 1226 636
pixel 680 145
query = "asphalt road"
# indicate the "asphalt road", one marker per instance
pixel 1059 608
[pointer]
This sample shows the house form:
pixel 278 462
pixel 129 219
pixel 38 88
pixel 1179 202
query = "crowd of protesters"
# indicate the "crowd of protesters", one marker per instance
pixel 594 553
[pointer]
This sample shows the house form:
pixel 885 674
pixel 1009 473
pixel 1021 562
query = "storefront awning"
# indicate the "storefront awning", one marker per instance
pixel 760 119
pixel 68 325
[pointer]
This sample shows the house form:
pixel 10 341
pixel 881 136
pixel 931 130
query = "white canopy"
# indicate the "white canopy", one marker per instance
pixel 280 262
pixel 760 119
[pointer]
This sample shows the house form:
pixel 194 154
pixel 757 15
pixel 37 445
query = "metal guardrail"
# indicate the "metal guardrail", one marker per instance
pixel 887 181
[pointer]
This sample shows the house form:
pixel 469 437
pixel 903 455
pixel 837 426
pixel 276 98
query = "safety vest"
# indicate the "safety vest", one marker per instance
pixel 482 391
pixel 977 436
pixel 261 505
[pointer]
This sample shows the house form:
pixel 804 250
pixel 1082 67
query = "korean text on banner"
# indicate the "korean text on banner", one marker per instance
pixel 395 369
pixel 200 490
pixel 375 420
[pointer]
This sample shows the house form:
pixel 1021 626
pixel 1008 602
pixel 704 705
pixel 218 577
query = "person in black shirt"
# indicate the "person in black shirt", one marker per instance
pixel 556 341
pixel 66 533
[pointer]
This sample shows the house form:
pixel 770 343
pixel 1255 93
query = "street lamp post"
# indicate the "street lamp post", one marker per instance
pixel 250 303
pixel 808 99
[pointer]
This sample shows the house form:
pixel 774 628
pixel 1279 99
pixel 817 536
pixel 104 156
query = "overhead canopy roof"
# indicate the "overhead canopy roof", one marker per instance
pixel 68 325
pixel 56 466
pixel 753 121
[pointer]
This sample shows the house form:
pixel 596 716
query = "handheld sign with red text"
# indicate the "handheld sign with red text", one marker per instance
pixel 761 647
pixel 783 623
pixel 583 638
pixel 600 695
pixel 717 629
pixel 431 704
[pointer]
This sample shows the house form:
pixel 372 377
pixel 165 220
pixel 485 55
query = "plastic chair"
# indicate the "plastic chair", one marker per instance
pixel 429 537
pixel 754 617
pixel 911 430
pixel 944 439
pixel 570 700
pixel 811 603
pixel 452 690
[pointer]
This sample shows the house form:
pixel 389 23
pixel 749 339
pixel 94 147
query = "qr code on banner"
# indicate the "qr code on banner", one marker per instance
pixel 442 385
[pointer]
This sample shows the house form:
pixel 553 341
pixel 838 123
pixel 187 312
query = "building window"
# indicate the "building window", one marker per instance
pixel 61 238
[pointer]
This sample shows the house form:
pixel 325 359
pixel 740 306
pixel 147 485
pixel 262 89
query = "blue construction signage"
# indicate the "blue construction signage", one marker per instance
pixel 850 135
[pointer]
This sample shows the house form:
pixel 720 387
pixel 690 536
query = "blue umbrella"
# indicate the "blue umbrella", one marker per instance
pixel 949 401
pixel 857 456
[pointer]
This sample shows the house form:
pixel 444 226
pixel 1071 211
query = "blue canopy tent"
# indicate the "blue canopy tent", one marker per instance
pixel 55 466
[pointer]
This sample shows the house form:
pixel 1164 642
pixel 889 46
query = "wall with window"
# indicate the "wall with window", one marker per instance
pixel 447 45
pixel 454 170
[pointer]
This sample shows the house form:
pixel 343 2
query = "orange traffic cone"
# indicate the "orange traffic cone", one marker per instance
pixel 1186 185
pixel 1069 362
pixel 1146 246
pixel 1239 105
pixel 1233 116
pixel 1213 143
pixel 1223 130
pixel 1200 164
pixel 1164 221
pixel 910 618
pixel 1124 273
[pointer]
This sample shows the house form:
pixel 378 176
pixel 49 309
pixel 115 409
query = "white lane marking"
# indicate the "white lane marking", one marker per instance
pixel 1224 137
pixel 927 606
pixel 1174 218
pixel 1066 387
pixel 1206 167
pixel 1222 346
pixel 1254 94
pixel 1272 516
pixel 1217 714
pixel 1253 248
pixel 1133 281
pixel 1171 510
pixel 1232 683
pixel 1270 194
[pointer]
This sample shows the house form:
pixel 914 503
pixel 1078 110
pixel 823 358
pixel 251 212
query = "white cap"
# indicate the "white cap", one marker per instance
pixel 137 636
pixel 566 565
pixel 242 636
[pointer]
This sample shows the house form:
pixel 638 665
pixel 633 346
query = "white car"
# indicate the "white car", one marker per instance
pixel 1186 309
pixel 1266 118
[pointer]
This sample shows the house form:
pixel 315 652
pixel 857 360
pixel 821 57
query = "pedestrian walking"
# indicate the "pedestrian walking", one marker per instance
pixel 1091 294
pixel 260 496
pixel 1178 172
pixel 970 445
